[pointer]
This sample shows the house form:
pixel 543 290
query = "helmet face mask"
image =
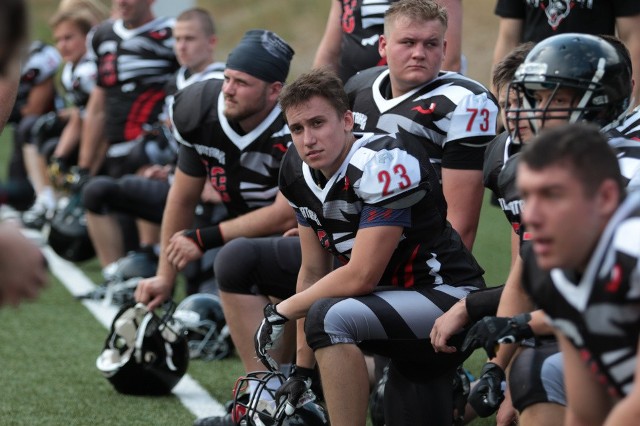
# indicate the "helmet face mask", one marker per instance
pixel 143 353
pixel 254 403
pixel 588 73
pixel 208 335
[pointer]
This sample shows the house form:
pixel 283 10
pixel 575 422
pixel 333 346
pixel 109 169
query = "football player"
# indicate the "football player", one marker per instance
pixel 582 268
pixel 374 203
pixel 453 116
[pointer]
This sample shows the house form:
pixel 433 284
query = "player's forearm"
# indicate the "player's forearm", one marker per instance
pixel 263 222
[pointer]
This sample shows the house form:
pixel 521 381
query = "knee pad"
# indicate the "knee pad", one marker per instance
pixel 97 192
pixel 525 378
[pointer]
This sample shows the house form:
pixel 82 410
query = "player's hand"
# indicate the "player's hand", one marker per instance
pixel 491 331
pixel 23 267
pixel 487 395
pixel 181 250
pixel 448 324
pixel 268 334
pixel 77 178
pixel 295 392
pixel 153 291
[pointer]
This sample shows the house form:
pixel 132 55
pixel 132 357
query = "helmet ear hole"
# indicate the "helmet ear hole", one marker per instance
pixel 145 363
pixel 207 332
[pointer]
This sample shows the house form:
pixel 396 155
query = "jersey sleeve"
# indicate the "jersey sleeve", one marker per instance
pixel 188 109
pixel 510 9
pixel 391 178
pixel 43 63
pixel 189 162
pixel 626 7
pixel 472 127
pixel 87 74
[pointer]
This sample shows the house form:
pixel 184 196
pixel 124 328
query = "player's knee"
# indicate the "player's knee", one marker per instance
pixel 324 328
pixel 97 192
pixel 233 266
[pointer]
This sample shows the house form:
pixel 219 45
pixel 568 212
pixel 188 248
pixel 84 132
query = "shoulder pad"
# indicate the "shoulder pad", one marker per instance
pixel 390 177
pixel 193 104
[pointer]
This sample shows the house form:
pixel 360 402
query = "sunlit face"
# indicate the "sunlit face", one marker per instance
pixel 194 49
pixel 321 136
pixel 563 100
pixel 133 12
pixel 244 95
pixel 511 102
pixel 414 51
pixel 70 41
pixel 564 222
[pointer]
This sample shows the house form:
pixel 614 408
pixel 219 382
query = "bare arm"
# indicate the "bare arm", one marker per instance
pixel 40 98
pixel 453 36
pixel 587 400
pixel 93 144
pixel 358 277
pixel 330 46
pixel 463 190
pixel 509 36
pixel 629 32
pixel 273 219
pixel 316 263
pixel 178 215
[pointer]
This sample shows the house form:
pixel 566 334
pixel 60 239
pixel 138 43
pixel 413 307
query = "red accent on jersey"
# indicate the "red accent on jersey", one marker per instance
pixel 372 216
pixel 408 269
pixel 515 226
pixel 348 21
pixel 616 278
pixel 427 111
pixel 141 111
pixel 280 147
pixel 387 213
pixel 526 236
pixel 347 183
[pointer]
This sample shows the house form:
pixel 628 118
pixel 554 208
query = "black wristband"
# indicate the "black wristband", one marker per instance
pixel 483 303
pixel 307 373
pixel 205 238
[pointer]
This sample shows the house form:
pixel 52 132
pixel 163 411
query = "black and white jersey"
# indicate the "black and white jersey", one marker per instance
pixel 454 115
pixel 599 311
pixel 383 181
pixel 243 168
pixel 78 80
pixel 500 164
pixel 133 67
pixel 500 171
pixel 362 22
pixel 630 127
pixel 41 63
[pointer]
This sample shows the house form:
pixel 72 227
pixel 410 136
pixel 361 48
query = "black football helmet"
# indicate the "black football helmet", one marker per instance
pixel 593 68
pixel 207 331
pixel 254 409
pixel 68 235
pixel 143 353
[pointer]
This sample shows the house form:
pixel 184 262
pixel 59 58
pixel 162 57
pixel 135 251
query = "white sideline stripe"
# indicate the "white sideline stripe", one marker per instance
pixel 193 396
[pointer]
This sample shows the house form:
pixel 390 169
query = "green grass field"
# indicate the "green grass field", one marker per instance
pixel 48 347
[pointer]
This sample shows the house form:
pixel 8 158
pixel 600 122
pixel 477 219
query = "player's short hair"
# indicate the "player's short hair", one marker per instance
pixel 580 147
pixel 320 82
pixel 13 31
pixel 97 11
pixel 81 18
pixel 203 16
pixel 505 70
pixel 417 10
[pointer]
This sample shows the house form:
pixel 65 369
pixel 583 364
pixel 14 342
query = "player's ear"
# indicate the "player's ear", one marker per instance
pixel 382 46
pixel 608 197
pixel 348 121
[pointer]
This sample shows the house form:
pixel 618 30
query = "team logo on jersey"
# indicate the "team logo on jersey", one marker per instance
pixel 558 10
pixel 616 278
pixel 424 111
